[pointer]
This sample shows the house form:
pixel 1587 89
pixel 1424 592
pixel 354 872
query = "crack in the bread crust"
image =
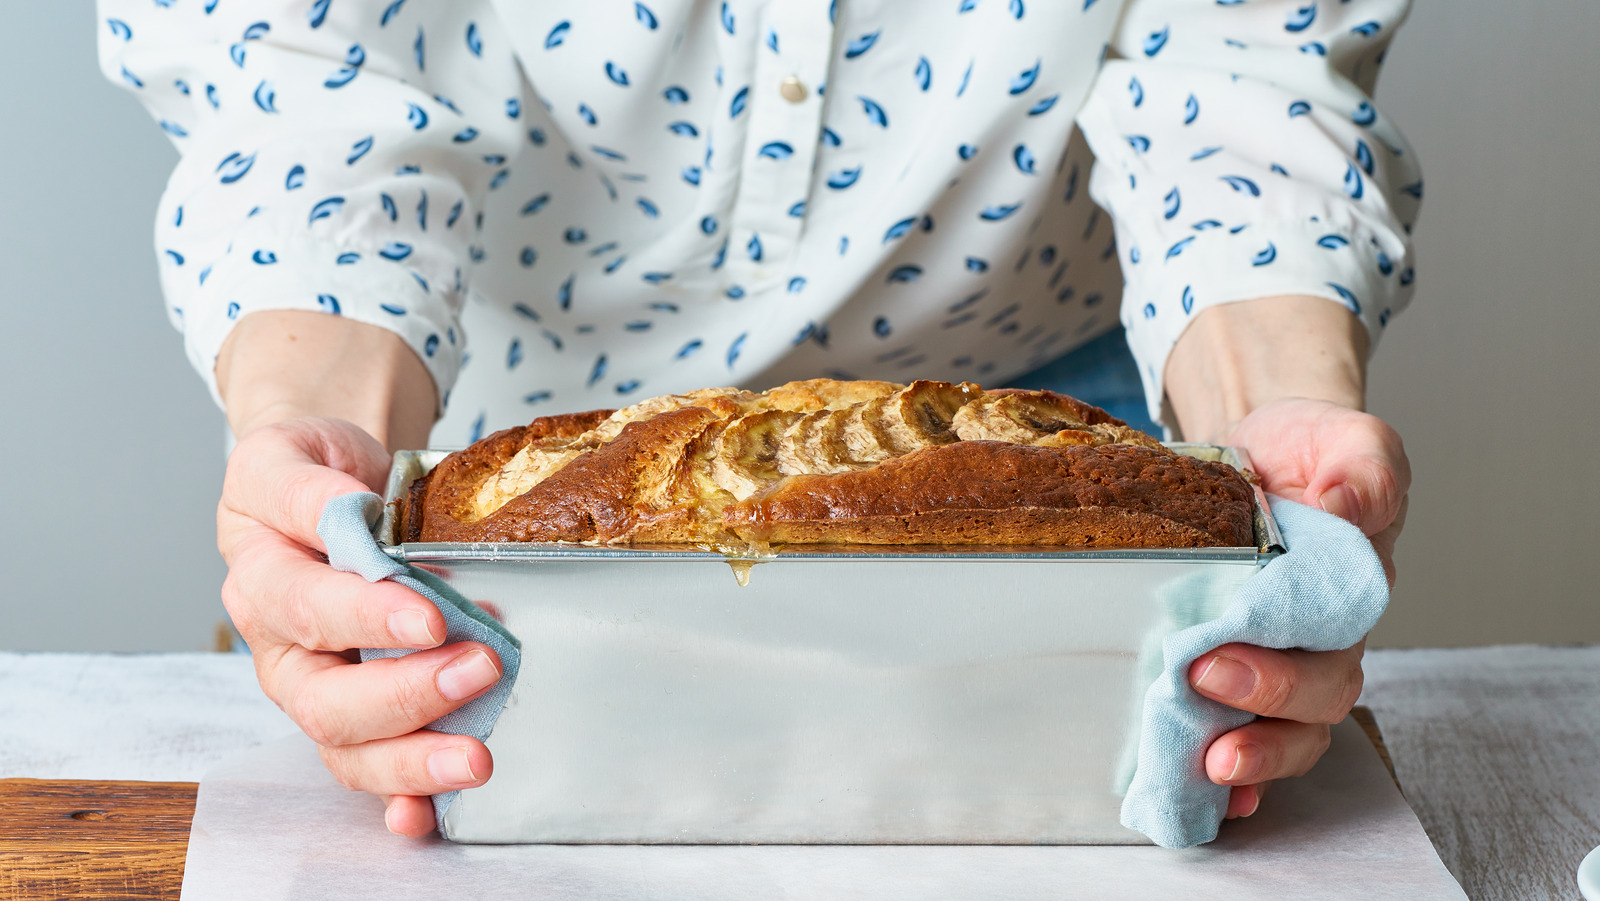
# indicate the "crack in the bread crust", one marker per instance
pixel 819 427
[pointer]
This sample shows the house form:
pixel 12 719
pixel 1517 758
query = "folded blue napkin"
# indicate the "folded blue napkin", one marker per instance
pixel 346 528
pixel 1324 594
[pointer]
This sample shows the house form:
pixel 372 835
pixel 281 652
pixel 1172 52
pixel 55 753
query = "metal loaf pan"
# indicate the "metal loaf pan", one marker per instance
pixel 845 695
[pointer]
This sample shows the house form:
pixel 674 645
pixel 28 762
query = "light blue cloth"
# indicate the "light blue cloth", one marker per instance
pixel 1325 594
pixel 346 529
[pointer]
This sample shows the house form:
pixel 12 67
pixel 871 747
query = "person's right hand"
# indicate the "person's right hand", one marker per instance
pixel 302 618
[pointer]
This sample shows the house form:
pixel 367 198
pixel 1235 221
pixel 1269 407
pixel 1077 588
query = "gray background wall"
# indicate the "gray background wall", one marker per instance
pixel 113 452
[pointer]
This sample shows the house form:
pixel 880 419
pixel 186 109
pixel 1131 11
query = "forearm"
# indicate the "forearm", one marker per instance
pixel 1237 356
pixel 279 365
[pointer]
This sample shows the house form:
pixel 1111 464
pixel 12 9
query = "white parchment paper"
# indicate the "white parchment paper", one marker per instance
pixel 272 824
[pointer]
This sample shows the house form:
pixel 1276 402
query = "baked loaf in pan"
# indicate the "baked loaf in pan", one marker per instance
pixel 833 462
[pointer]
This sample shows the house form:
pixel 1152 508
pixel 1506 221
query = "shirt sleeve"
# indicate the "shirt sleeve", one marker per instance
pixel 334 156
pixel 1241 155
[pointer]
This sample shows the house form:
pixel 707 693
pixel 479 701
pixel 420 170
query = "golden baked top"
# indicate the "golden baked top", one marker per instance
pixel 826 461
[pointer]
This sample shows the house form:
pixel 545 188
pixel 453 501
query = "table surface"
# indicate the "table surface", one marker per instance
pixel 1495 748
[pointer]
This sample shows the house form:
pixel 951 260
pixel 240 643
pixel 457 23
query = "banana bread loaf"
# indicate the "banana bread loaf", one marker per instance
pixel 833 462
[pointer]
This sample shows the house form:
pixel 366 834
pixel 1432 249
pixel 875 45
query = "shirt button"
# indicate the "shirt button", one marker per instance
pixel 792 89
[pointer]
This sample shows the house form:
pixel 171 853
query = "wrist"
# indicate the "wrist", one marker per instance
pixel 1236 357
pixel 282 365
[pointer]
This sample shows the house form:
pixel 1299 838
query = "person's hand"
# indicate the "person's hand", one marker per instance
pixel 1352 465
pixel 301 619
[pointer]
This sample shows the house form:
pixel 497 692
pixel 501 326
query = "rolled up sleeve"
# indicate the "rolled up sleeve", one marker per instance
pixel 334 157
pixel 1241 156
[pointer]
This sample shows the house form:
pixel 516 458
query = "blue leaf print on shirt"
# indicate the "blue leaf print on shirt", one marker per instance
pixel 899 229
pixel 211 96
pixel 1352 181
pixel 967 6
pixel 1266 256
pixel 535 205
pixel 966 77
pixel 1408 276
pixel 727 18
pixel 736 106
pixel 844 244
pixel 1367 29
pixel 1174 202
pixel 1301 18
pixel 233 310
pixel 474 39
pixel 1364 156
pixel 325 208
pixel 1415 190
pixel 1385 265
pixel 1191 110
pixel 1242 185
pixel 798 209
pixel 1364 114
pixel 465 135
pixel 1204 152
pixel 234 167
pixel 513 354
pixel 1348 297
pixel 924 73
pixel 1139 143
pixel 844 178
pixel 416 116
pixel 831 137
pixel 881 327
pixel 860 45
pixel 689 348
pixel 527 258
pixel 776 150
pixel 295 178
pixel 906 273
pixel 721 256
pixel 1026 78
pixel 796 284
pixel 255 31
pixel 1154 41
pixel 342 77
pixel 1023 157
pixel 874 111
pixel 564 293
pixel 676 95
pixel 1016 9
pixel 389 12
pixel 392 309
pixel 754 248
pixel 120 29
pixel 1188 299
pixel 615 73
pixel 266 97
pixel 557 35
pixel 587 114
pixel 417 49
pixel 648 208
pixel 318 13
pixel 645 16
pixel 329 303
pixel 976 265
pixel 998 212
pixel 708 225
pixel 772 40
pixel 264 257
pixel 1136 91
pixel 691 174
pixel 735 348
pixel 1333 242
pixel 966 151
pixel 1179 247
pixel 358 150
pixel 1043 106
pixel 1299 108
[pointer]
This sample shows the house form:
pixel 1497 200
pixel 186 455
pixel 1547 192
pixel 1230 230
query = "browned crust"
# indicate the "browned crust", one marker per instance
pixel 593 498
pixel 990 492
pixel 446 490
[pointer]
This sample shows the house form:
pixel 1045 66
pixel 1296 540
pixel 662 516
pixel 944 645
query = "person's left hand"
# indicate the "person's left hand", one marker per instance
pixel 1352 465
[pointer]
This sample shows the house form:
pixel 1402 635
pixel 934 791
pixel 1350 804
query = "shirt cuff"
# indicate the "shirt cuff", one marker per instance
pixel 301 273
pixel 1168 286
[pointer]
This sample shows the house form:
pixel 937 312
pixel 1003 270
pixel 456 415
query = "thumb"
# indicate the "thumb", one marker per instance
pixel 1364 479
pixel 283 475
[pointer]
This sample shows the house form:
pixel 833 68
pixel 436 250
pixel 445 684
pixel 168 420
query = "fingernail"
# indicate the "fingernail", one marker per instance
pixel 1255 804
pixel 1227 678
pixel 467 675
pixel 388 814
pixel 1342 502
pixel 410 628
pixel 450 766
pixel 1246 764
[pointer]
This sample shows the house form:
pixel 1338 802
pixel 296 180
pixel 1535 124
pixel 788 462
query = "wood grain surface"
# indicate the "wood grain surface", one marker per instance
pixel 127 840
pixel 93 840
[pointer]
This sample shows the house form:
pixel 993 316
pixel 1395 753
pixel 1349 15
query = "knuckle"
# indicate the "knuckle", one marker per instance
pixel 309 709
pixel 1321 739
pixel 1276 692
pixel 341 766
pixel 414 700
pixel 1351 680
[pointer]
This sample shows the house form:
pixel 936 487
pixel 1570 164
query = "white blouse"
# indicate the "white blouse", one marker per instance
pixel 616 199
